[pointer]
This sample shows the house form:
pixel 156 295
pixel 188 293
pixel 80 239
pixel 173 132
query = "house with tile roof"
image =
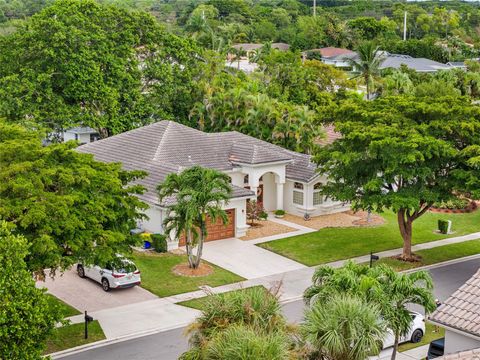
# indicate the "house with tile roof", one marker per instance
pixel 276 177
pixel 460 316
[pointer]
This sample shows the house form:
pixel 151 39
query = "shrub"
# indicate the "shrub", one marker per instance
pixel 263 215
pixel 279 212
pixel 443 226
pixel 159 242
pixel 452 204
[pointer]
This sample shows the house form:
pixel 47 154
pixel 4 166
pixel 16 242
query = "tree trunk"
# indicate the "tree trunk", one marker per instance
pixel 405 225
pixel 188 245
pixel 368 86
pixel 395 347
pixel 203 232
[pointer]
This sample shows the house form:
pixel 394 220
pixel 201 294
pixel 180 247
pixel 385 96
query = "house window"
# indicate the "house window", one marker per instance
pixel 298 193
pixel 245 180
pixel 317 195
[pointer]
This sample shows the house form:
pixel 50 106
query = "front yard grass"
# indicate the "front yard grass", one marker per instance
pixel 332 244
pixel 428 337
pixel 436 255
pixel 199 302
pixel 65 309
pixel 158 278
pixel 70 336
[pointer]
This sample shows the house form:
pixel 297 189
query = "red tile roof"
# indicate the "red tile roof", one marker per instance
pixel 330 135
pixel 330 51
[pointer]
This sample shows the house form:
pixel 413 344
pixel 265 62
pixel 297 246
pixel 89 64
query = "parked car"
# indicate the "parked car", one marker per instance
pixel 436 349
pixel 414 335
pixel 123 275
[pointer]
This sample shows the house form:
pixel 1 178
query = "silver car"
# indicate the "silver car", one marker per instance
pixel 123 275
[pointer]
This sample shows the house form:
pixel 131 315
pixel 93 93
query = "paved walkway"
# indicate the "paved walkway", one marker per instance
pixel 247 260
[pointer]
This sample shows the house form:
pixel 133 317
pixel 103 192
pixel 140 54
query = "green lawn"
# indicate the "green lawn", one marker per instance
pixel 158 278
pixel 427 338
pixel 331 244
pixel 69 336
pixel 66 309
pixel 436 255
pixel 198 303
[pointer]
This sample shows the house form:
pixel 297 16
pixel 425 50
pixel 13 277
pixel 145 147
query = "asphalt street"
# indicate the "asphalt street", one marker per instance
pixel 170 344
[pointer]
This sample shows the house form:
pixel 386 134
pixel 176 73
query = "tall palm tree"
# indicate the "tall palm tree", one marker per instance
pixel 380 286
pixel 398 291
pixel 367 63
pixel 345 327
pixel 198 195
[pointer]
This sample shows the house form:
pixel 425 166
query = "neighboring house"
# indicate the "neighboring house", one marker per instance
pixel 327 52
pixel 83 134
pixel 243 64
pixel 457 64
pixel 460 316
pixel 276 177
pixel 463 355
pixel 393 61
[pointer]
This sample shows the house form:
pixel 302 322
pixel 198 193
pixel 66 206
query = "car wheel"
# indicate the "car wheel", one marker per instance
pixel 80 271
pixel 105 285
pixel 417 336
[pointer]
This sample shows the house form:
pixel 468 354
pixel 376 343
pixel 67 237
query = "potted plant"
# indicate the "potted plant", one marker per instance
pixel 279 214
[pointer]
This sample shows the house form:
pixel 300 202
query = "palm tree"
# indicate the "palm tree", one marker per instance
pixel 398 291
pixel 199 194
pixel 398 83
pixel 345 327
pixel 368 63
pixel 380 286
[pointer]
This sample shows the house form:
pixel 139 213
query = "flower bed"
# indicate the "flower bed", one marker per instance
pixel 456 207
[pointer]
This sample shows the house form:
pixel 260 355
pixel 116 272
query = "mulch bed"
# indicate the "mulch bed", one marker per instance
pixel 363 221
pixel 186 270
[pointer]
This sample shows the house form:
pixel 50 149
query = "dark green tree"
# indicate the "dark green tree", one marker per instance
pixel 67 205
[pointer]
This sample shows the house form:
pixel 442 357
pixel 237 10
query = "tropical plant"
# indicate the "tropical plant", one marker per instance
pixel 381 287
pixel 240 314
pixel 199 195
pixel 367 64
pixel 343 327
pixel 254 211
pixel 397 83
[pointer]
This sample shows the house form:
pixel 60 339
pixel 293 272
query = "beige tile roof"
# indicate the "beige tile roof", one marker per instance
pixel 462 309
pixel 463 355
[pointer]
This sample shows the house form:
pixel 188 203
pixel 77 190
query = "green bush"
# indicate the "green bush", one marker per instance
pixel 263 215
pixel 452 204
pixel 279 212
pixel 443 226
pixel 159 242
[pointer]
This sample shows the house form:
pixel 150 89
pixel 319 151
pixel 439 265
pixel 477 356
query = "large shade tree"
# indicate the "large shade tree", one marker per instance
pixel 402 154
pixel 68 206
pixel 197 195
pixel 27 317
pixel 78 62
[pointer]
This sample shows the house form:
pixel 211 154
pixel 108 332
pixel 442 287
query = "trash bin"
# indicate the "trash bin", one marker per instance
pixel 147 244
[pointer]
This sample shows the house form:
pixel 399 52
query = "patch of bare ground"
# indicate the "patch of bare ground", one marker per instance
pixel 186 270
pixel 265 228
pixel 342 219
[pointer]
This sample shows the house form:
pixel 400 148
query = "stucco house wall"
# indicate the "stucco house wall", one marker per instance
pixel 455 342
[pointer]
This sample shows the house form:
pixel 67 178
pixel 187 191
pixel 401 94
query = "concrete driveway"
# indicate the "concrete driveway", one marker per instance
pixel 86 294
pixel 245 259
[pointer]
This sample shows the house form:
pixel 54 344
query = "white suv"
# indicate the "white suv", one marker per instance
pixel 414 335
pixel 125 274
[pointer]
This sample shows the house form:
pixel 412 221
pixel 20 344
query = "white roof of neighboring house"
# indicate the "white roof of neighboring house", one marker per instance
pixel 244 64
pixel 461 311
pixel 81 130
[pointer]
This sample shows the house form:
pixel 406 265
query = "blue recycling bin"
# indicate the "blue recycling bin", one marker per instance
pixel 147 244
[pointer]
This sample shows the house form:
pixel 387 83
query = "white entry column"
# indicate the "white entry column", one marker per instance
pixel 280 195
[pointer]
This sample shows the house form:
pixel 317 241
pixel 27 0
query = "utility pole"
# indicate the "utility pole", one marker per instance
pixel 405 26
pixel 314 8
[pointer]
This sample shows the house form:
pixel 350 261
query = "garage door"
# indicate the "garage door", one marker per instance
pixel 217 230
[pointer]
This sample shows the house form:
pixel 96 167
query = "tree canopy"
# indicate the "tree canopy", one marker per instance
pixel 26 315
pixel 68 206
pixel 403 154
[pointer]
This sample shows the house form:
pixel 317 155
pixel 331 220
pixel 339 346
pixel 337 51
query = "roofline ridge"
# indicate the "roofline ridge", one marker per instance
pixel 159 147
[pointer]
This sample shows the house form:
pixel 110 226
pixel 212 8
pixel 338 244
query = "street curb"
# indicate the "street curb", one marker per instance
pixel 102 343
